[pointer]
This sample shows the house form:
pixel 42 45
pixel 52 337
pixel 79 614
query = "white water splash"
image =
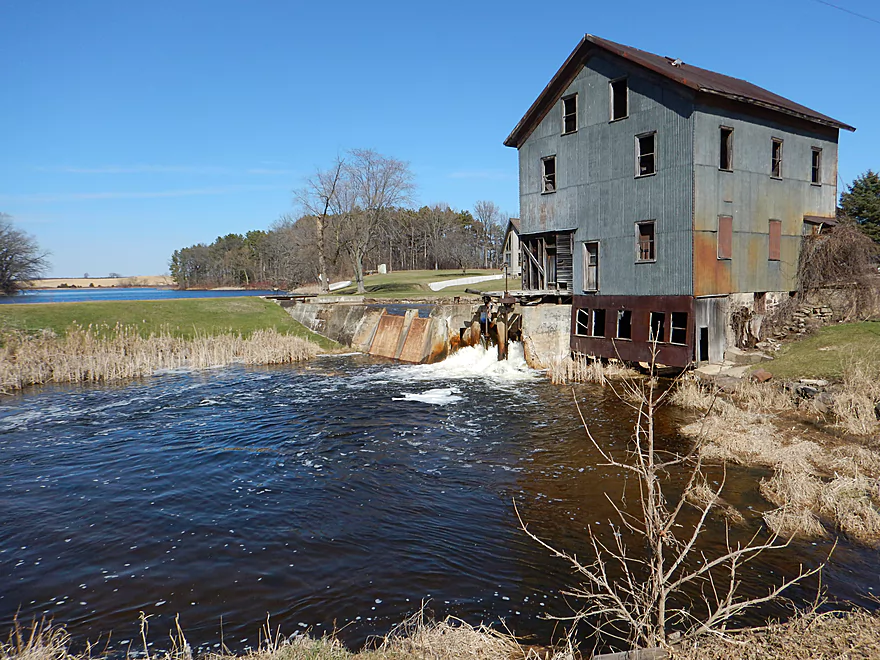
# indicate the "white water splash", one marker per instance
pixel 439 396
pixel 476 362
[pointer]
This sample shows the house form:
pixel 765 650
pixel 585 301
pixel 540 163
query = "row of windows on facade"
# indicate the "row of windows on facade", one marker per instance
pixel 646 146
pixel 593 323
pixel 646 246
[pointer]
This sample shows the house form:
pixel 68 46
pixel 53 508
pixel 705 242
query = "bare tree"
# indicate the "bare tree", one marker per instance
pixel 21 259
pixel 671 584
pixel 373 185
pixel 317 198
pixel 488 217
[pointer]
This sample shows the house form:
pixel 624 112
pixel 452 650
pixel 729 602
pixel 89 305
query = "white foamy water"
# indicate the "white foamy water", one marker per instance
pixel 475 362
pixel 439 396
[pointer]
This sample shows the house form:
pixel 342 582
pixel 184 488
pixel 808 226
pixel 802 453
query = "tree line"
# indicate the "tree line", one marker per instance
pixel 353 216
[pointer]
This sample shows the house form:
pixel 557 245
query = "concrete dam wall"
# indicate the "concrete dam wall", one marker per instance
pixel 429 333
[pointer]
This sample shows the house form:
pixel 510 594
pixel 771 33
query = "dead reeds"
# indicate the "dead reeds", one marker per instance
pixel 103 354
pixel 579 368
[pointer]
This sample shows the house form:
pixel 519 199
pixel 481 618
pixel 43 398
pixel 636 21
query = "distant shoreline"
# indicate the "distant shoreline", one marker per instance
pixel 102 282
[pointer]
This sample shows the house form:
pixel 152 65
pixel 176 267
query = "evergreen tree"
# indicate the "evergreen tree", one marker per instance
pixel 861 202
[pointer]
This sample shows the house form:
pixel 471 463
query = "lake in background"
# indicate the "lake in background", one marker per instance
pixel 132 293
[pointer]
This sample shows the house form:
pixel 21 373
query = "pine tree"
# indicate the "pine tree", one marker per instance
pixel 861 202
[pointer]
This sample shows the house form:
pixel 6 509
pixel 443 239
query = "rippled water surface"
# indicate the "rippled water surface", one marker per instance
pixel 342 493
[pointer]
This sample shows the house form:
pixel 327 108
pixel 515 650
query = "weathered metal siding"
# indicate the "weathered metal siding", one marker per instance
pixel 597 190
pixel 753 198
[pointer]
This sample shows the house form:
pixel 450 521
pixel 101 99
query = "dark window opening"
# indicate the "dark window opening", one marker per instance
pixel 646 161
pixel 776 159
pixel 645 241
pixel 816 168
pixel 726 159
pixel 582 323
pixel 619 99
pixel 598 322
pixel 678 331
pixel 658 327
pixel 775 240
pixel 760 302
pixel 624 324
pixel 725 237
pixel 548 174
pixel 569 114
pixel 591 266
pixel 703 355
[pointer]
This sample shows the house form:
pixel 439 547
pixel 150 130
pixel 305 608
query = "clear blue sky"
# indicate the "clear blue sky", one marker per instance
pixel 131 128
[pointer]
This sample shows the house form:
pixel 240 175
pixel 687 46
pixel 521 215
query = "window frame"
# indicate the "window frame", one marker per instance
pixel 611 83
pixel 773 222
pixel 593 315
pixel 586 255
pixel 728 146
pixel 566 115
pixel 578 321
pixel 639 154
pixel 815 166
pixel 724 218
pixel 662 338
pixel 628 314
pixel 653 258
pixel 544 175
pixel 774 160
pixel 673 328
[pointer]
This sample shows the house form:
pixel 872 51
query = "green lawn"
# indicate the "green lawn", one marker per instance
pixel 185 317
pixel 826 353
pixel 412 283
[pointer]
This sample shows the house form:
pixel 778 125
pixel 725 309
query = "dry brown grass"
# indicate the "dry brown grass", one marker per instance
pixel 829 636
pixel 41 641
pixel 583 369
pixel 854 404
pixel 100 354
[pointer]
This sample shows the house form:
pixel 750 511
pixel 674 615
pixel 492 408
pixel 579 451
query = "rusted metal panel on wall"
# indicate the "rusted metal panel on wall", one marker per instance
pixel 638 347
pixel 416 340
pixel 752 197
pixel 597 190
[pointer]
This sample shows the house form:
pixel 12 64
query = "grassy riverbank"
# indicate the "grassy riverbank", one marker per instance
pixel 184 318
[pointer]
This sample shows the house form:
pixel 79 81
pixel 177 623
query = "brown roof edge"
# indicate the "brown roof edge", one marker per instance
pixel 695 78
pixel 821 220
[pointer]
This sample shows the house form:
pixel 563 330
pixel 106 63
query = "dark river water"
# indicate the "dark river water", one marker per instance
pixel 339 494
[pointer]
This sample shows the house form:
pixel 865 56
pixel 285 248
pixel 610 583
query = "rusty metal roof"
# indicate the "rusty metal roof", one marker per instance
pixel 700 80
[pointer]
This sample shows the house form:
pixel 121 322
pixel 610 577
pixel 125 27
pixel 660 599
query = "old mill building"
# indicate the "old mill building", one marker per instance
pixel 659 196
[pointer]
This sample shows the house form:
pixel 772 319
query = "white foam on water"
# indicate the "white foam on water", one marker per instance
pixel 439 396
pixel 476 362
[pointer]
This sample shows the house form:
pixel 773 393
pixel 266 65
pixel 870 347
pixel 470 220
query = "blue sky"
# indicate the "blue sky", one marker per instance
pixel 131 128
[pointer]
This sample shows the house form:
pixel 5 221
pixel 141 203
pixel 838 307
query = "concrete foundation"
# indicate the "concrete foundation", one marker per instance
pixel 546 333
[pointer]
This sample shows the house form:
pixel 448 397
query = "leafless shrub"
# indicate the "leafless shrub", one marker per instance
pixel 845 257
pixel 639 598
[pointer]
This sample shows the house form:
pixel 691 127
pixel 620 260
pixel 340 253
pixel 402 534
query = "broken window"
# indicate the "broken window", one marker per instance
pixel 591 266
pixel 678 333
pixel 569 114
pixel 645 241
pixel 726 160
pixel 646 154
pixel 624 324
pixel 816 168
pixel 548 174
pixel 658 327
pixel 725 237
pixel 582 323
pixel 775 240
pixel 619 99
pixel 776 158
pixel 598 322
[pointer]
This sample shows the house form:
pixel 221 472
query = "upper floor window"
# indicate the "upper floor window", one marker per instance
pixel 619 99
pixel 646 154
pixel 591 266
pixel 569 114
pixel 725 161
pixel 816 166
pixel 725 237
pixel 776 158
pixel 645 250
pixel 775 229
pixel 548 174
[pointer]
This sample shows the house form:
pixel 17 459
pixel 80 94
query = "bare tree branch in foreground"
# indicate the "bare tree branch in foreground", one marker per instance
pixel 664 583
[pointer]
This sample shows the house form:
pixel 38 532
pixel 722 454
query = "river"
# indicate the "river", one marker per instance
pixel 342 493
pixel 99 294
